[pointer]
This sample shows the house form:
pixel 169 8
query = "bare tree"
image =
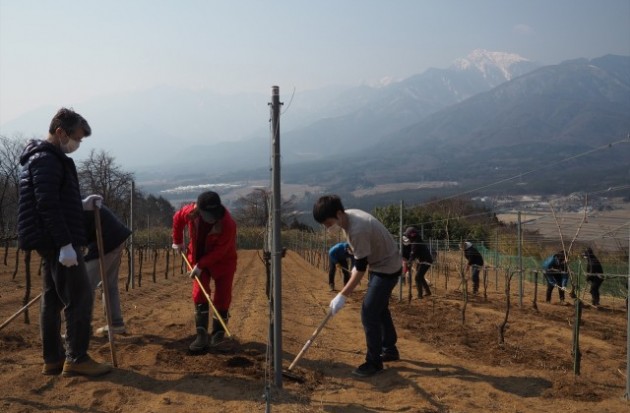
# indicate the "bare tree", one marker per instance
pixel 252 210
pixel 10 151
pixel 99 174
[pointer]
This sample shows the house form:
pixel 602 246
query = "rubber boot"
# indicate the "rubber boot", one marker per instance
pixel 201 321
pixel 218 332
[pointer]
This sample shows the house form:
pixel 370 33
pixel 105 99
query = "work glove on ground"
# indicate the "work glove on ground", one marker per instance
pixel 92 201
pixel 337 303
pixel 179 248
pixel 68 256
pixel 196 272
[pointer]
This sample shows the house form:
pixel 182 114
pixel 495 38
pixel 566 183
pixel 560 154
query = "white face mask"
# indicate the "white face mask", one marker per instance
pixel 70 146
pixel 333 228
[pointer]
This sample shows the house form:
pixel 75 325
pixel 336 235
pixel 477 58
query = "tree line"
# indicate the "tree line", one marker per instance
pixel 98 174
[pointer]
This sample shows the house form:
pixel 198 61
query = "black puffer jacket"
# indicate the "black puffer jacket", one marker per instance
pixel 473 256
pixel 113 230
pixel 593 265
pixel 417 251
pixel 50 212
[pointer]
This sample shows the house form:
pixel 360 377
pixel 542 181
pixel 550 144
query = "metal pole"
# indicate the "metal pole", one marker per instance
pixel 520 263
pixel 627 396
pixel 276 249
pixel 402 276
pixel 577 356
pixel 131 269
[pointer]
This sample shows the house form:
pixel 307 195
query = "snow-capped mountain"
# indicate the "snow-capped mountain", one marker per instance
pixel 365 114
pixel 212 128
pixel 496 67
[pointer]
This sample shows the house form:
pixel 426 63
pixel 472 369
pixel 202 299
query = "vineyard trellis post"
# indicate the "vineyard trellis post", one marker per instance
pixel 577 354
pixel 401 278
pixel 131 276
pixel 276 252
pixel 520 261
pixel 627 395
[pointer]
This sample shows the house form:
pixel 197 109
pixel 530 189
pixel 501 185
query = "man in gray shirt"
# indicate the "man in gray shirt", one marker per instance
pixel 372 244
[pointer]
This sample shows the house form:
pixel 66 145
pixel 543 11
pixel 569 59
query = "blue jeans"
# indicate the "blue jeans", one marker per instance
pixel 111 265
pixel 67 289
pixel 380 333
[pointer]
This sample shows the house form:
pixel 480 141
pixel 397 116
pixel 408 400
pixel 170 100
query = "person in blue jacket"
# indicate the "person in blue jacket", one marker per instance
pixel 339 254
pixel 50 221
pixel 556 273
pixel 114 233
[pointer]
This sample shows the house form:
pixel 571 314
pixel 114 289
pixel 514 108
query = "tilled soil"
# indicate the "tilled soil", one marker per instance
pixel 451 361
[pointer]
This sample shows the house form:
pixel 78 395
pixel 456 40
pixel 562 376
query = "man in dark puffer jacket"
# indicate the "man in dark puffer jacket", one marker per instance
pixel 50 221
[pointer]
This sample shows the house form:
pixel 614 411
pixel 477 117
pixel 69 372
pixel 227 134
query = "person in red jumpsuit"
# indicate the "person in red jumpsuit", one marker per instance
pixel 212 254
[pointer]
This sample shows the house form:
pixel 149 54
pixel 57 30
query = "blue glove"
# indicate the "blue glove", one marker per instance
pixel 68 256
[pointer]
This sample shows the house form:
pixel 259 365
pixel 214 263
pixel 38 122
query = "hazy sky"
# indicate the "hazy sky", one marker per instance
pixel 64 52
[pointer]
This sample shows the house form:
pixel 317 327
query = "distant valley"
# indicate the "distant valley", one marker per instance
pixel 493 121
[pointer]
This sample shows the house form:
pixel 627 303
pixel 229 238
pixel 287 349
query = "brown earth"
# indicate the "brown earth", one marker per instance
pixel 446 366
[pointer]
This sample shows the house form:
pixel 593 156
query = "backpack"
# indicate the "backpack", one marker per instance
pixel 550 262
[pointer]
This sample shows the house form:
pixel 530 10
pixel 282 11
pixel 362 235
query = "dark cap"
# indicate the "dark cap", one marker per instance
pixel 410 235
pixel 209 206
pixel 411 232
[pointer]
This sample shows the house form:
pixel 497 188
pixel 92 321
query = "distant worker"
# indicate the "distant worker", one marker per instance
pixel 555 267
pixel 415 250
pixel 114 233
pixel 372 245
pixel 212 253
pixel 594 274
pixel 339 255
pixel 475 263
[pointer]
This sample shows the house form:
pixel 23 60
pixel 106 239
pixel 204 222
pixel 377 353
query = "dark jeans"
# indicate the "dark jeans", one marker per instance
pixel 380 333
pixel 421 282
pixel 67 289
pixel 596 282
pixel 475 278
pixel 559 279
pixel 332 270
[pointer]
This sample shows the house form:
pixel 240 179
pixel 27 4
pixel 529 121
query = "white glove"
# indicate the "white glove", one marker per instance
pixel 337 303
pixel 68 256
pixel 178 247
pixel 92 201
pixel 196 272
